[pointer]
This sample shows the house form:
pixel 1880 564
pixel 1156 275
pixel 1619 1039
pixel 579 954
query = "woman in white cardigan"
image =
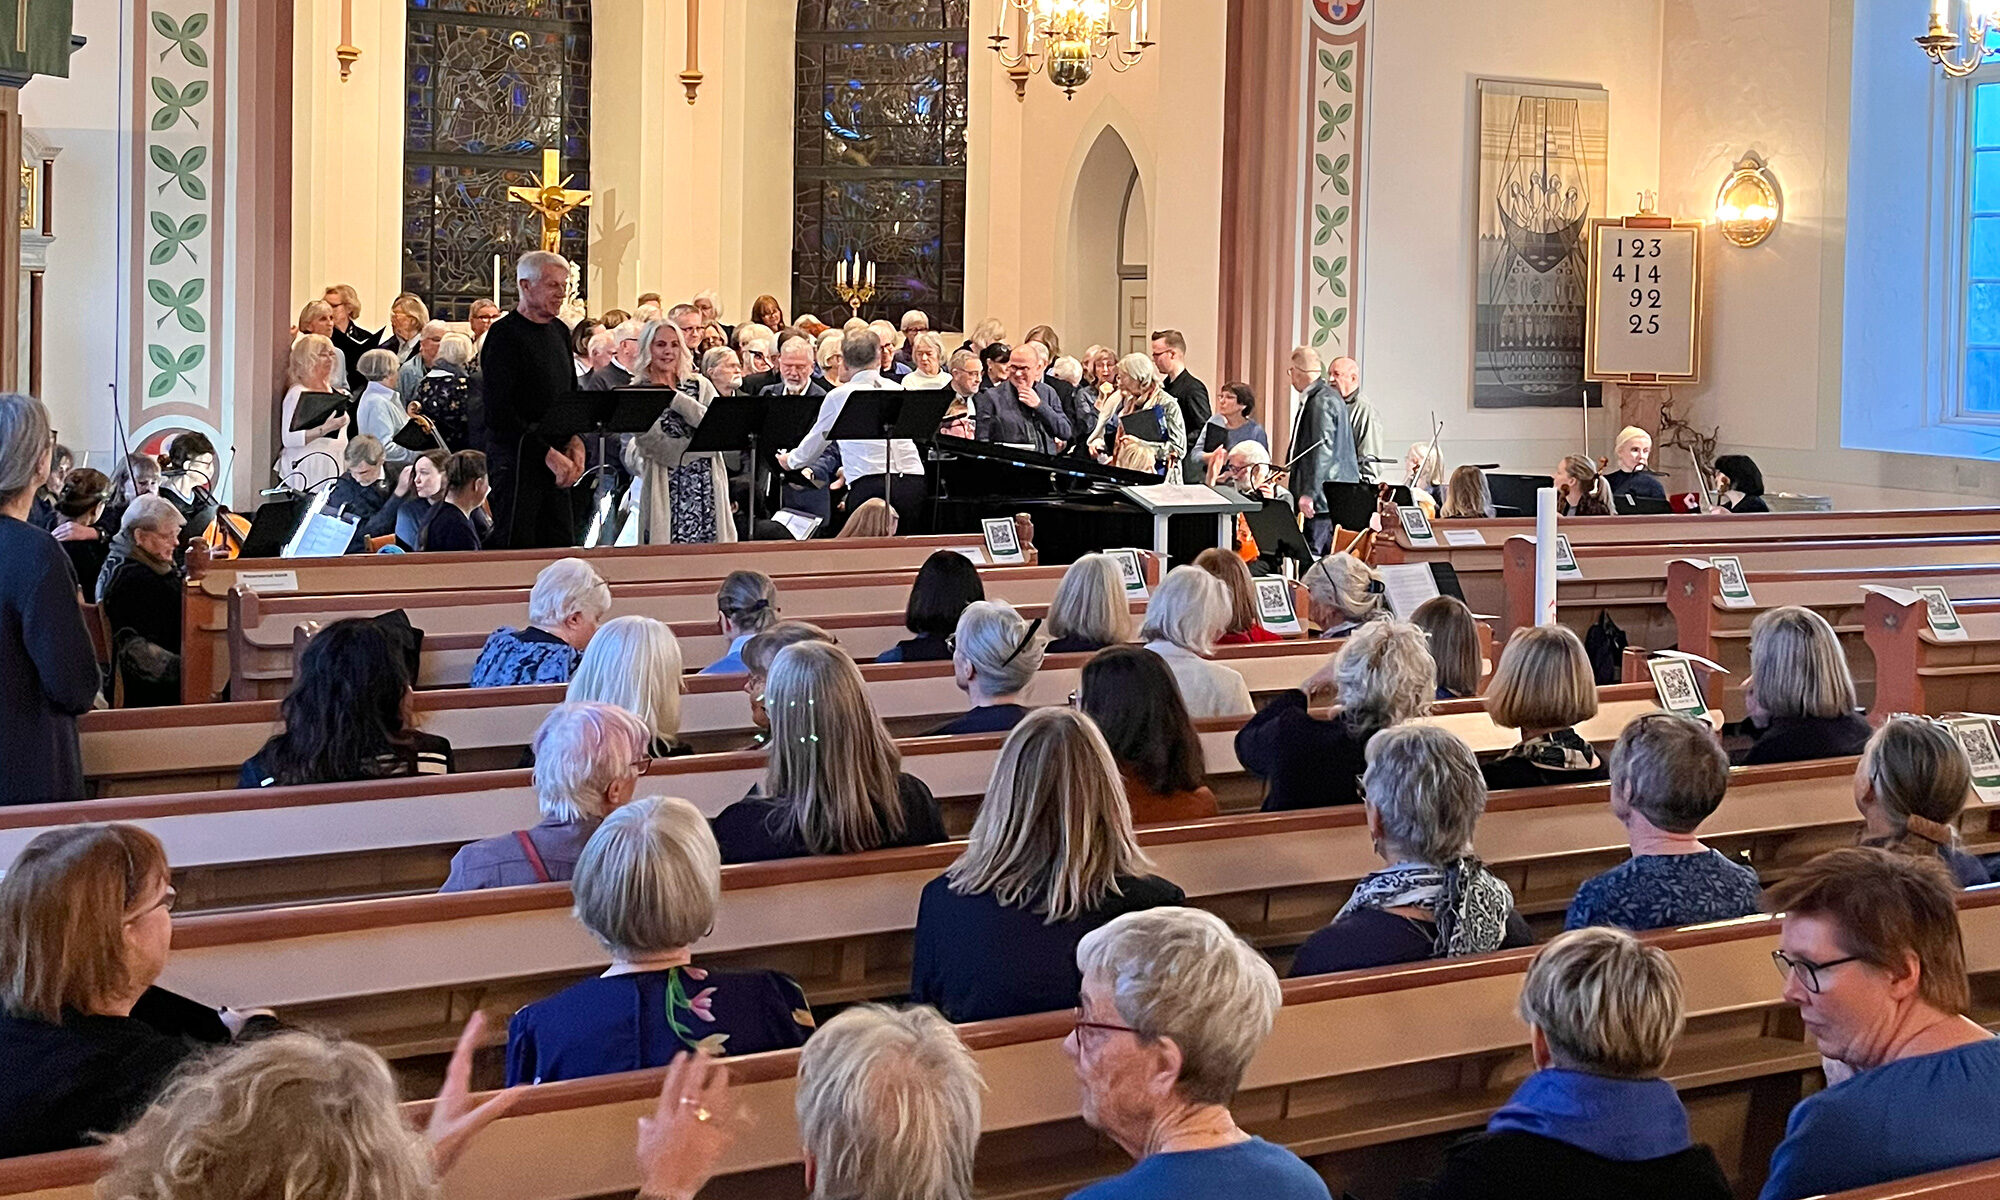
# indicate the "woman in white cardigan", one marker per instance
pixel 1183 619
pixel 683 497
pixel 310 457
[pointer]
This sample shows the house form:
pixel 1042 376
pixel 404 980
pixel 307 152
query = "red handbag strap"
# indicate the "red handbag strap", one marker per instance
pixel 534 856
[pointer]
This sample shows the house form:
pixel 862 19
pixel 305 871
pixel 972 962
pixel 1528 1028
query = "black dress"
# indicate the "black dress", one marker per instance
pixel 48 670
pixel 426 754
pixel 749 830
pixel 1801 739
pixel 925 647
pixel 1304 761
pixel 1512 1164
pixel 446 527
pixel 986 718
pixel 1373 937
pixel 87 559
pixel 1749 504
pixel 977 959
pixel 1636 483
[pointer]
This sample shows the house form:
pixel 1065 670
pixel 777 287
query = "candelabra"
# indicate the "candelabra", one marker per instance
pixel 854 282
pixel 1066 39
pixel 1959 53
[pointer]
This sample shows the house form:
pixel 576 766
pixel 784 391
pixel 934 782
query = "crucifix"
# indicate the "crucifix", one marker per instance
pixel 552 198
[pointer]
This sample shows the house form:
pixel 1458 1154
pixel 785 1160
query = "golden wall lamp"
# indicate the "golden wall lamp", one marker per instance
pixel 1747 205
pixel 1065 39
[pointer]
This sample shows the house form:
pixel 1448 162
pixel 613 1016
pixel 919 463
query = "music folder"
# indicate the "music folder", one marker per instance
pixel 416 438
pixel 316 408
pixel 1144 424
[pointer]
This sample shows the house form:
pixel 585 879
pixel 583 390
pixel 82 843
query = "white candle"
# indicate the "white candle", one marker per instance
pixel 840 273
pixel 871 274
pixel 1142 19
pixel 496 280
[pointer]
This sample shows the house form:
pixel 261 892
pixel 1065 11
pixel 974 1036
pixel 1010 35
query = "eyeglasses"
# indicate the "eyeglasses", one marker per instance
pixel 1075 698
pixel 166 901
pixel 1081 1025
pixel 1806 969
pixel 642 764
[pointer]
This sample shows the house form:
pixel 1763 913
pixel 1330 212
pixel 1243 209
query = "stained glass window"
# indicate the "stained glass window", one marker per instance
pixel 878 159
pixel 491 83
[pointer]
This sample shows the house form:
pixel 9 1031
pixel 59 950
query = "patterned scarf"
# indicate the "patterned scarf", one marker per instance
pixel 1468 903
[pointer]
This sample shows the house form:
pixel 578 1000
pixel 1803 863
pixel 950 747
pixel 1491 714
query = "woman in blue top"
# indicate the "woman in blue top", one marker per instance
pixel 565 607
pixel 647 887
pixel 994 657
pixel 1873 958
pixel 1231 425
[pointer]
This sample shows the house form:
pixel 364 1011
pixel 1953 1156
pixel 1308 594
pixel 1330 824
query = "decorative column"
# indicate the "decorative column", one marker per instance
pixel 1335 129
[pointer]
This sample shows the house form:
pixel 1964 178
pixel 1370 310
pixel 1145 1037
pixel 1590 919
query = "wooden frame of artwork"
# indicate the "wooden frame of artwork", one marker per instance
pixel 1655 315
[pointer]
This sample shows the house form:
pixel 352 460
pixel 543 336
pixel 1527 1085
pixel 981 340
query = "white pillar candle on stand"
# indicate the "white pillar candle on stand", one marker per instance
pixel 1545 556
pixel 496 279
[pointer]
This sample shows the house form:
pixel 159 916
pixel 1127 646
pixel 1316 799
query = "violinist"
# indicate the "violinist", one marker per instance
pixel 362 494
pixel 1632 478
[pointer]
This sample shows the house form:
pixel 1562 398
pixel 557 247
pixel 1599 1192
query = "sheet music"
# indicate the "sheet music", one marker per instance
pixel 1407 586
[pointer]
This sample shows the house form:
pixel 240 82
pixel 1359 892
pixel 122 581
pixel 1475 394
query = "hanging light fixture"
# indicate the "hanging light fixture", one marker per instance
pixel 1065 39
pixel 1960 51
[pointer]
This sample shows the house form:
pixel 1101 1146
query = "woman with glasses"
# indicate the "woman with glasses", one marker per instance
pixel 1873 958
pixel 588 761
pixel 834 782
pixel 994 657
pixel 1051 857
pixel 85 929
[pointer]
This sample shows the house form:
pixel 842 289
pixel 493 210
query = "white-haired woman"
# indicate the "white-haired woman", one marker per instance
pixel 1800 694
pixel 1089 610
pixel 1544 688
pixel 445 394
pixel 1595 1119
pixel 683 497
pixel 1186 615
pixel 647 886
pixel 927 362
pixel 888 1105
pixel 565 607
pixel 379 410
pixel 588 760
pixel 834 783
pixel 1382 677
pixel 1051 857
pixel 1343 594
pixel 1173 1008
pixel 1139 389
pixel 745 605
pixel 1632 449
pixel 634 662
pixel 995 654
pixel 1432 898
pixel 311 457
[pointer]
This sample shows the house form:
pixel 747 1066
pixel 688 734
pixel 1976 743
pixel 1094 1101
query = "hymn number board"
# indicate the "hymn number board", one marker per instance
pixel 1645 301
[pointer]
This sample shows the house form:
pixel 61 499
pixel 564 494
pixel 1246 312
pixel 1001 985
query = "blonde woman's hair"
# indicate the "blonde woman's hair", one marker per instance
pixel 1467 494
pixel 833 767
pixel 348 296
pixel 1608 1003
pixel 1797 666
pixel 1190 610
pixel 311 311
pixel 582 750
pixel 1346 585
pixel 1054 832
pixel 748 600
pixel 63 905
pixel 634 662
pixel 1234 576
pixel 873 518
pixel 1000 645
pixel 295 1115
pixel 650 878
pixel 1453 637
pixel 1090 602
pixel 1543 681
pixel 412 306
pixel 1384 675
pixel 306 351
pixel 1920 776
pixel 683 363
pixel 888 1106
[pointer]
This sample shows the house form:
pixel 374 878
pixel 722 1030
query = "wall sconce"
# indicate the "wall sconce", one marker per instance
pixel 1747 207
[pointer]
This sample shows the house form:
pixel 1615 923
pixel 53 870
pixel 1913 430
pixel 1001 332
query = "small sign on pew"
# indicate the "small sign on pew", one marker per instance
pixel 1274 606
pixel 1134 572
pixel 268 583
pixel 1002 545
pixel 1679 692
pixel 1462 537
pixel 1566 567
pixel 1945 625
pixel 1975 733
pixel 976 555
pixel 1730 581
pixel 1417 527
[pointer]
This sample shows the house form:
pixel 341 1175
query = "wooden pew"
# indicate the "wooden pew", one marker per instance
pixel 1705 626
pixel 262 629
pixel 1918 672
pixel 205 652
pixel 1479 567
pixel 1979 1181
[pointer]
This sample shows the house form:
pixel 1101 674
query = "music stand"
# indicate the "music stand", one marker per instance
pixel 1516 491
pixel 602 414
pixel 885 414
pixel 748 422
pixel 1276 528
pixel 1350 505
pixel 1627 504
pixel 271 528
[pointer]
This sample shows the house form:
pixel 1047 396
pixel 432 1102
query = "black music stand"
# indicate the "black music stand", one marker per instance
pixel 748 422
pixel 1516 492
pixel 601 415
pixel 1350 505
pixel 883 414
pixel 1276 528
pixel 271 528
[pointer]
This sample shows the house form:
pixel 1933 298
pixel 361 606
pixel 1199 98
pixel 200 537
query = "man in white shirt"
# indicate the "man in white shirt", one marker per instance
pixel 898 471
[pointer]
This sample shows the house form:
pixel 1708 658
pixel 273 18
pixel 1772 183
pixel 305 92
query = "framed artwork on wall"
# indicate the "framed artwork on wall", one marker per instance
pixel 1544 170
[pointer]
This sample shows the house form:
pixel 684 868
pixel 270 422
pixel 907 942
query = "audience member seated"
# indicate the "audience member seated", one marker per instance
pixel 449 524
pixel 360 496
pixel 1433 898
pixel 647 887
pixel 994 658
pixel 1131 694
pixel 1381 677
pixel 589 758
pixel 1799 694
pixel 834 783
pixel 1872 956
pixel 1089 610
pixel 1544 688
pixel 347 716
pixel 634 663
pixel 1186 615
pixel 1739 485
pixel 1579 491
pixel 946 583
pixel 1910 786
pixel 140 597
pixel 1633 448
pixel 875 518
pixel 565 607
pixel 85 927
pixel 1668 775
pixel 1453 639
pixel 1174 1007
pixel 1243 628
pixel 1343 594
pixel 1466 494
pixel 1595 1120
pixel 746 605
pixel 427 489
pixel 1051 857
pixel 757 655
pixel 888 1105
pixel 79 508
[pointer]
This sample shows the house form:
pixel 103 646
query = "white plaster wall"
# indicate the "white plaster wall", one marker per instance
pixel 347 156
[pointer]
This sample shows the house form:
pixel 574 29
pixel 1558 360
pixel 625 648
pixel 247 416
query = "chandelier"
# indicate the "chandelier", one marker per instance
pixel 1960 52
pixel 1066 38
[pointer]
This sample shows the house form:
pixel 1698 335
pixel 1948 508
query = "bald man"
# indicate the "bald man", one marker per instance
pixel 1021 410
pixel 1322 445
pixel 1346 376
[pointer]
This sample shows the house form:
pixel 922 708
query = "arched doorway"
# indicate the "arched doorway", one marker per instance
pixel 1109 246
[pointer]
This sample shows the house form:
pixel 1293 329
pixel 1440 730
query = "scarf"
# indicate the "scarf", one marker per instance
pixel 1558 750
pixel 1625 1120
pixel 1468 903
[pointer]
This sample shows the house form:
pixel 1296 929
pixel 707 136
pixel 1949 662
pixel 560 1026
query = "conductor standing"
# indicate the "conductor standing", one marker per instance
pixel 527 364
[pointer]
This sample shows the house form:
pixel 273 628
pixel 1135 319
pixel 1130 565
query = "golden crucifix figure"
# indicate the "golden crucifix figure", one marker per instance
pixel 552 198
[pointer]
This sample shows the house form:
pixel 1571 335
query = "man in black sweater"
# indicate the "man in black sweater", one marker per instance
pixel 1170 356
pixel 527 365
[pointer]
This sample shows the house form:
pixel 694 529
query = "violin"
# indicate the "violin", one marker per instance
pixel 225 534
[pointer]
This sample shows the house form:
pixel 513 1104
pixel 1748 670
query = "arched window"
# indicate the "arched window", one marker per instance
pixel 879 155
pixel 491 84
